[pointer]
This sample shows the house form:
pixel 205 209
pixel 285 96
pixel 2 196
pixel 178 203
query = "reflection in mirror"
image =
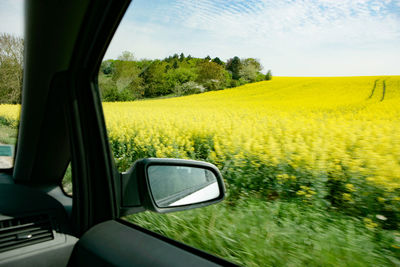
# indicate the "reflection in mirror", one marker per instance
pixel 177 185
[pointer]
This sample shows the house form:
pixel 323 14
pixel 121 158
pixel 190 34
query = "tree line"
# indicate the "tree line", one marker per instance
pixel 11 59
pixel 126 78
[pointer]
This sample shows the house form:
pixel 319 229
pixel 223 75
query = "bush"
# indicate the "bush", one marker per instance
pixel 268 76
pixel 188 88
pixel 213 85
pixel 260 77
pixel 243 81
pixel 234 83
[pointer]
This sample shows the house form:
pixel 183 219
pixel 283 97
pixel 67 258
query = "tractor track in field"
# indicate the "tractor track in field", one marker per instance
pixel 374 89
pixel 383 90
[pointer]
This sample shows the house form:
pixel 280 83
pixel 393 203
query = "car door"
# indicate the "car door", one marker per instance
pixel 62 120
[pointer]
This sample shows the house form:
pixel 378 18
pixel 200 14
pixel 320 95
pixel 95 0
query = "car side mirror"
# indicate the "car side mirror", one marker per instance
pixel 167 185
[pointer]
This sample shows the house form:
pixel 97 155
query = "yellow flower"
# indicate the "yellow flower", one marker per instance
pixel 369 223
pixel 350 187
pixel 300 193
pixel 346 197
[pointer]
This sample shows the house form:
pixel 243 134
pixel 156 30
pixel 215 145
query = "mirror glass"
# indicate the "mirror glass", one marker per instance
pixel 178 185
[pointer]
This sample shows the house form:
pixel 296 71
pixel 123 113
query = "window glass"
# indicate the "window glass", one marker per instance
pixel 296 102
pixel 11 59
pixel 67 181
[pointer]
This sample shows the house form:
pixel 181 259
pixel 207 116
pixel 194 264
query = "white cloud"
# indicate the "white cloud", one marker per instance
pixel 305 37
pixel 291 37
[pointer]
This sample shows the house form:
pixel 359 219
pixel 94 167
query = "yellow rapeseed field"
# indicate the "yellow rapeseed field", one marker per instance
pixel 336 139
pixel 330 139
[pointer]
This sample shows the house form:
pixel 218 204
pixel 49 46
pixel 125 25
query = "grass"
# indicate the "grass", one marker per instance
pixel 8 135
pixel 67 181
pixel 259 233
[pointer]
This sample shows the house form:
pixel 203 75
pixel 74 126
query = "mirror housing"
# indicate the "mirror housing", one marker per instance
pixel 168 185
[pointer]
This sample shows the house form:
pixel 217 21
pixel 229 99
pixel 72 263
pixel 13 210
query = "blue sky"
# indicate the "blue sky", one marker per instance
pixel 290 37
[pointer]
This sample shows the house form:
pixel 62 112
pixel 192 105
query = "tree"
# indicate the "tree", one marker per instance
pixel 252 61
pixel 108 88
pixel 126 56
pixel 250 69
pixel 268 76
pixel 211 75
pixel 176 77
pixel 153 77
pixel 125 75
pixel 218 61
pixel 11 60
pixel 233 65
pixel 107 67
pixel 181 57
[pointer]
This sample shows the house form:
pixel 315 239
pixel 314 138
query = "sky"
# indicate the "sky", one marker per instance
pixel 290 37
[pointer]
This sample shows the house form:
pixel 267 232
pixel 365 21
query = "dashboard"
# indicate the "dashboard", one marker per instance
pixel 34 228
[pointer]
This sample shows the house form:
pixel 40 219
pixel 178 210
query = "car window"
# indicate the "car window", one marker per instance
pixel 11 59
pixel 67 181
pixel 296 102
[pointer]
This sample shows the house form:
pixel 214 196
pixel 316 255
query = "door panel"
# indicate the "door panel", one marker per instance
pixel 113 243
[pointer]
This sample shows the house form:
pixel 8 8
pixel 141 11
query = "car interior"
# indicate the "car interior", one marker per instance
pixel 62 123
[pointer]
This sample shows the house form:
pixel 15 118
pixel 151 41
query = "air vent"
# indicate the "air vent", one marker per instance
pixel 25 231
